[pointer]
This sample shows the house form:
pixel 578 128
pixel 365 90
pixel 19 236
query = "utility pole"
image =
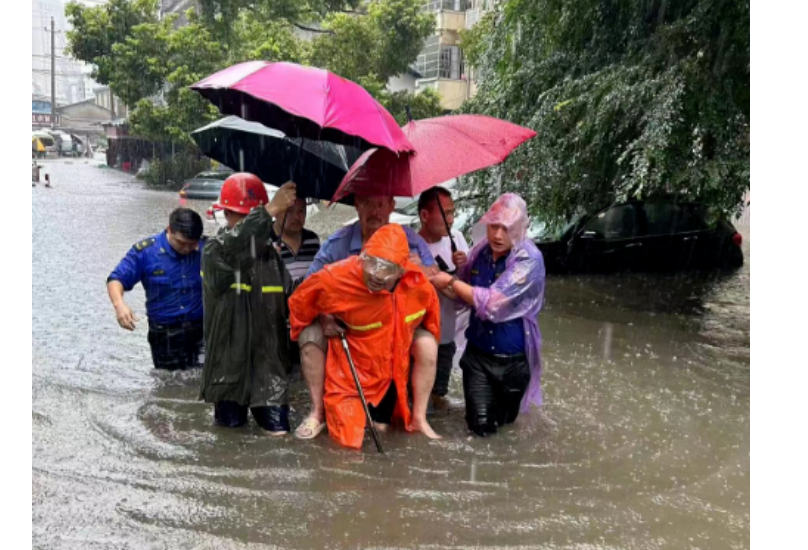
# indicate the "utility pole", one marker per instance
pixel 53 75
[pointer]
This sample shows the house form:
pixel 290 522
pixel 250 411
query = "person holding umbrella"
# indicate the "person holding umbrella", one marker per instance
pixel 445 147
pixel 308 105
pixel 297 245
pixel 436 211
pixel 244 291
pixel 383 298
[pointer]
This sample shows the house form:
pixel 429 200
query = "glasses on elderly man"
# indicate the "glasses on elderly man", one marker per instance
pixel 380 268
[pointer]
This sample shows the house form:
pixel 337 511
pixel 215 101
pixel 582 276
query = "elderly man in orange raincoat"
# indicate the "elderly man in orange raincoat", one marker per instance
pixel 382 297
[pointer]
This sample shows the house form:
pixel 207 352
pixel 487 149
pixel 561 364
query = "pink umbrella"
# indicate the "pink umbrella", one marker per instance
pixel 303 102
pixel 445 147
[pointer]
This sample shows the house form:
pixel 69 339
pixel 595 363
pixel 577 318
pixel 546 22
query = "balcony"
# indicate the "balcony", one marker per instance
pixel 451 21
pixel 450 14
pixel 452 92
pixel 447 5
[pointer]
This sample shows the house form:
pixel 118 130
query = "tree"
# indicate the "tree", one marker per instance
pixel 141 52
pixel 383 43
pixel 189 55
pixel 424 104
pixel 297 13
pixel 96 30
pixel 266 39
pixel 630 98
pixel 150 63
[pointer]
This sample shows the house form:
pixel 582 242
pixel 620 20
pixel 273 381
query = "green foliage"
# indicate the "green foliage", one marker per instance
pixel 96 30
pixel 425 104
pixel 173 171
pixel 149 63
pixel 382 43
pixel 630 98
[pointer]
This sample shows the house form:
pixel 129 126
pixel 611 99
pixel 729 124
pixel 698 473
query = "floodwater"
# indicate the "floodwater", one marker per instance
pixel 643 442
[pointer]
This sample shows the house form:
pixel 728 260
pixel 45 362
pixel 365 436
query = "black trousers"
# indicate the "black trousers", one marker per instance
pixel 493 386
pixel 446 353
pixel 383 413
pixel 232 415
pixel 177 347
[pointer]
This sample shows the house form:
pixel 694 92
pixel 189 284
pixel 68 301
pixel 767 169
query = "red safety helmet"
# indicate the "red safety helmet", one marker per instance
pixel 242 192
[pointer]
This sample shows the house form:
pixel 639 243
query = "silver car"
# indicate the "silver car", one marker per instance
pixel 205 185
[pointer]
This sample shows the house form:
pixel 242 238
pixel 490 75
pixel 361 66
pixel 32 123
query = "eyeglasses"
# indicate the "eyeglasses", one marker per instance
pixel 380 268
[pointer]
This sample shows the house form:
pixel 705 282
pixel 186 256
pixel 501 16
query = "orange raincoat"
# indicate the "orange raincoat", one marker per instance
pixel 381 326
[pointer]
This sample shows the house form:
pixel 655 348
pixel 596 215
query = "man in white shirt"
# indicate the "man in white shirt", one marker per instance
pixel 450 253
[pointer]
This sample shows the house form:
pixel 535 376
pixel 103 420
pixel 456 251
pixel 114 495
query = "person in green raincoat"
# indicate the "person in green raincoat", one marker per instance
pixel 245 288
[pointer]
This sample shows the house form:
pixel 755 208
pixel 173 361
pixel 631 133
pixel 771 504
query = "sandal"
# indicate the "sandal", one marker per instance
pixel 310 429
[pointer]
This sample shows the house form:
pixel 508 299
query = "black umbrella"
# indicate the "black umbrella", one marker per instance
pixel 317 167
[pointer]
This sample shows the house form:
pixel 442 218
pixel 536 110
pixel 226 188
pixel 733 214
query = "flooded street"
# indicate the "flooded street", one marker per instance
pixel 643 442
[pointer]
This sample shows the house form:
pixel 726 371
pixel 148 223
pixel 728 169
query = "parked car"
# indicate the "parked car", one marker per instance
pixel 655 235
pixel 205 185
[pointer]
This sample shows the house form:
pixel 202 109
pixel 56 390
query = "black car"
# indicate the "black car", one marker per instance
pixel 664 235
pixel 205 185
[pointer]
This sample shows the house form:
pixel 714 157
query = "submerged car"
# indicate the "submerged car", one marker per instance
pixel 205 185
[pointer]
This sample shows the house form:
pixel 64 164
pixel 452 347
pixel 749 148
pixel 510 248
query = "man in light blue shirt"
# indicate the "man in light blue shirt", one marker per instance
pixel 348 241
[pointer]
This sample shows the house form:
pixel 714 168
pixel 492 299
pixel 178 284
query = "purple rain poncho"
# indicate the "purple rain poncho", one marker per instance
pixel 519 291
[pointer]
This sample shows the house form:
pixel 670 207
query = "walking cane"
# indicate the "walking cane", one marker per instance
pixel 375 435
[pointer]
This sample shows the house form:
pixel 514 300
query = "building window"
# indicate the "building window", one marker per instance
pixel 437 60
pixel 451 5
pixel 451 62
pixel 478 4
pixel 429 58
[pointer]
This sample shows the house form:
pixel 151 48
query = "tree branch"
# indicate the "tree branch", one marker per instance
pixel 311 29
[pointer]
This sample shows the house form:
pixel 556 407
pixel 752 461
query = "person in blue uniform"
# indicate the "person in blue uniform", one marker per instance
pixel 168 267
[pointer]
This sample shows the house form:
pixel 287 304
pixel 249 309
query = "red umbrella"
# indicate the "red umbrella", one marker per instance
pixel 303 102
pixel 445 147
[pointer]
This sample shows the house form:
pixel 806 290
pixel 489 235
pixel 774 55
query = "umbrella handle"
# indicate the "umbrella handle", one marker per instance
pixel 283 225
pixel 448 229
pixel 292 171
pixel 293 168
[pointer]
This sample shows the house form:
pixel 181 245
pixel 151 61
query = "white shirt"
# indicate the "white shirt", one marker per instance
pixel 448 315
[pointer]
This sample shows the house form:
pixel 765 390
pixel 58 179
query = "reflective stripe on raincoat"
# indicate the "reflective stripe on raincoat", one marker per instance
pixel 244 282
pixel 381 326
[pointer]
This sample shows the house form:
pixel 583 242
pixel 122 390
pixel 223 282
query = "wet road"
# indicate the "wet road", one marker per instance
pixel 643 442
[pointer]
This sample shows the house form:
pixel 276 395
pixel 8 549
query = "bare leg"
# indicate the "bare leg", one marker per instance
pixel 313 360
pixel 425 352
